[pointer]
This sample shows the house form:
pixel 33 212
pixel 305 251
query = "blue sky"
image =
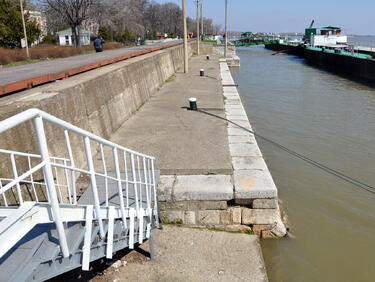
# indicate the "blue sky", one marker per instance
pixel 355 16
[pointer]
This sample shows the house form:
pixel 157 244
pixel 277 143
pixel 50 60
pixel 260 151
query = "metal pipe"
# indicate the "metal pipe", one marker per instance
pixel 47 170
pixel 226 29
pixel 186 59
pixel 94 188
pixel 119 185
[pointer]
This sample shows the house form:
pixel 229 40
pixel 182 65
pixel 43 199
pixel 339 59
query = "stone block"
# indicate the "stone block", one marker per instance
pixel 268 234
pixel 236 117
pixel 214 205
pixel 265 204
pixel 189 217
pixel 236 215
pixel 210 217
pixel 183 205
pixel 243 123
pixel 173 217
pixel 238 131
pixel 244 150
pixel 258 228
pixel 203 188
pixel 225 217
pixel 260 216
pixel 164 189
pixel 238 228
pixel 249 163
pixel 254 184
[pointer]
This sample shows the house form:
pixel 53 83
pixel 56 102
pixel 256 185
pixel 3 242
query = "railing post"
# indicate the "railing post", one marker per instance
pixel 94 188
pixel 48 176
pixel 119 185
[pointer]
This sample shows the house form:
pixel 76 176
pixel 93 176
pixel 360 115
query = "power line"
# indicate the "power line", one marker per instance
pixel 342 176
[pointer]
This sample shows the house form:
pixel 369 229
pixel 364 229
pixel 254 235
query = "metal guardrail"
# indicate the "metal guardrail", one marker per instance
pixel 133 172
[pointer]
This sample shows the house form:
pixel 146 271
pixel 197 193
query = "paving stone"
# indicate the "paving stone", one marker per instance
pixel 259 216
pixel 236 117
pixel 236 215
pixel 211 217
pixel 203 188
pixel 243 123
pixel 235 112
pixel 238 132
pixel 233 101
pixel 254 184
pixel 236 106
pixel 244 150
pixel 249 163
pixel 225 217
pixel 189 218
pixel 265 204
pixel 164 189
pixel 232 139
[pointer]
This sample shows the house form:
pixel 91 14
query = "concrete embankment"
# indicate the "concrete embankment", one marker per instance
pixel 98 101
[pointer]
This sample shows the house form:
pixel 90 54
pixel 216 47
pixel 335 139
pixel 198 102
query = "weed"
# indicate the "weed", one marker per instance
pixel 140 106
pixel 171 78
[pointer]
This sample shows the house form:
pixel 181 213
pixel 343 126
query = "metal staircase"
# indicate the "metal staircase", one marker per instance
pixel 47 228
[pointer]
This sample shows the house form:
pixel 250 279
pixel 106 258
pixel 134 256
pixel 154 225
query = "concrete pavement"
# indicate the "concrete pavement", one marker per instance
pixel 183 142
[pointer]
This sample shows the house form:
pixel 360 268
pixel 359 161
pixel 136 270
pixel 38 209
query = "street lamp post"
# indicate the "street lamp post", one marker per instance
pixel 226 29
pixel 186 61
pixel 24 29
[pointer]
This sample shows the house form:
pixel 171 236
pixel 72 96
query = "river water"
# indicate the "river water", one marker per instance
pixel 331 120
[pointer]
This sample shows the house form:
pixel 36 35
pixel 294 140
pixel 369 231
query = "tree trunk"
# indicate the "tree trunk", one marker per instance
pixel 75 36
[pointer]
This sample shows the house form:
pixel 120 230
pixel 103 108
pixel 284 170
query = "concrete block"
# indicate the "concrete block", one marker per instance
pixel 189 218
pixel 254 184
pixel 234 101
pixel 258 228
pixel 243 123
pixel 235 112
pixel 238 228
pixel 233 106
pixel 244 150
pixel 164 189
pixel 237 117
pixel 214 205
pixel 225 217
pixel 265 204
pixel 249 139
pixel 211 217
pixel 249 163
pixel 203 188
pixel 238 131
pixel 173 217
pixel 236 215
pixel 259 216
pixel 267 234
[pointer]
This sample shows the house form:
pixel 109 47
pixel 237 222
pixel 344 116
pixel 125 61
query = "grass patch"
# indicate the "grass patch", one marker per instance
pixel 140 106
pixel 171 78
pixel 24 62
pixel 224 99
pixel 211 41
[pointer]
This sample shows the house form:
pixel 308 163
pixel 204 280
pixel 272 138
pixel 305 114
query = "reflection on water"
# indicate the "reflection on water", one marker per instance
pixel 331 120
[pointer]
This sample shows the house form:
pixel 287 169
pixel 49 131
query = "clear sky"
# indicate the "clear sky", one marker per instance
pixel 355 16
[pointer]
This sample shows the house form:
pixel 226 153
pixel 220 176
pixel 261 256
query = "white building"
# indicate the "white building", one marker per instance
pixel 328 36
pixel 66 38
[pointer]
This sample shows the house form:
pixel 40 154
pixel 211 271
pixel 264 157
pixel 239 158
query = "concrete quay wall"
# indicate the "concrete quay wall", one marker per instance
pixel 99 101
pixel 246 201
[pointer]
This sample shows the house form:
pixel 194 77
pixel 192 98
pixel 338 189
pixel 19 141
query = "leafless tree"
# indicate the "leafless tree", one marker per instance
pixel 73 12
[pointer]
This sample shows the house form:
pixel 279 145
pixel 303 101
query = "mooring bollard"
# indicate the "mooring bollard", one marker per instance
pixel 207 57
pixel 202 72
pixel 193 104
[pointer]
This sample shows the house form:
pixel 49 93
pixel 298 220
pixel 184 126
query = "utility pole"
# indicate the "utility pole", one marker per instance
pixel 226 29
pixel 186 61
pixel 24 29
pixel 202 20
pixel 197 27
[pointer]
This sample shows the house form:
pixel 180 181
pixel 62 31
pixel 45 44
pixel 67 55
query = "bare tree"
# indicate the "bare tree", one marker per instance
pixel 73 12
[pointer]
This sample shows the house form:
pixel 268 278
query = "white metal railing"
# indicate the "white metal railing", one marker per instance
pixel 55 177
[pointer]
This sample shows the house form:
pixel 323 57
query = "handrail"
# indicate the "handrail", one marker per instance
pixel 29 114
pixel 60 173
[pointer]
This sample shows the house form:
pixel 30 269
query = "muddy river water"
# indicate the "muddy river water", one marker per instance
pixel 330 119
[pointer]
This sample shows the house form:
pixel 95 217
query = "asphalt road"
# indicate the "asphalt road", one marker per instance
pixel 26 76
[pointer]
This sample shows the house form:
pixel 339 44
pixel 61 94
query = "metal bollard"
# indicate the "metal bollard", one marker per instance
pixel 207 57
pixel 202 72
pixel 193 104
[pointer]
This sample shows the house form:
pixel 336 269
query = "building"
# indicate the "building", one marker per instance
pixel 41 21
pixel 66 38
